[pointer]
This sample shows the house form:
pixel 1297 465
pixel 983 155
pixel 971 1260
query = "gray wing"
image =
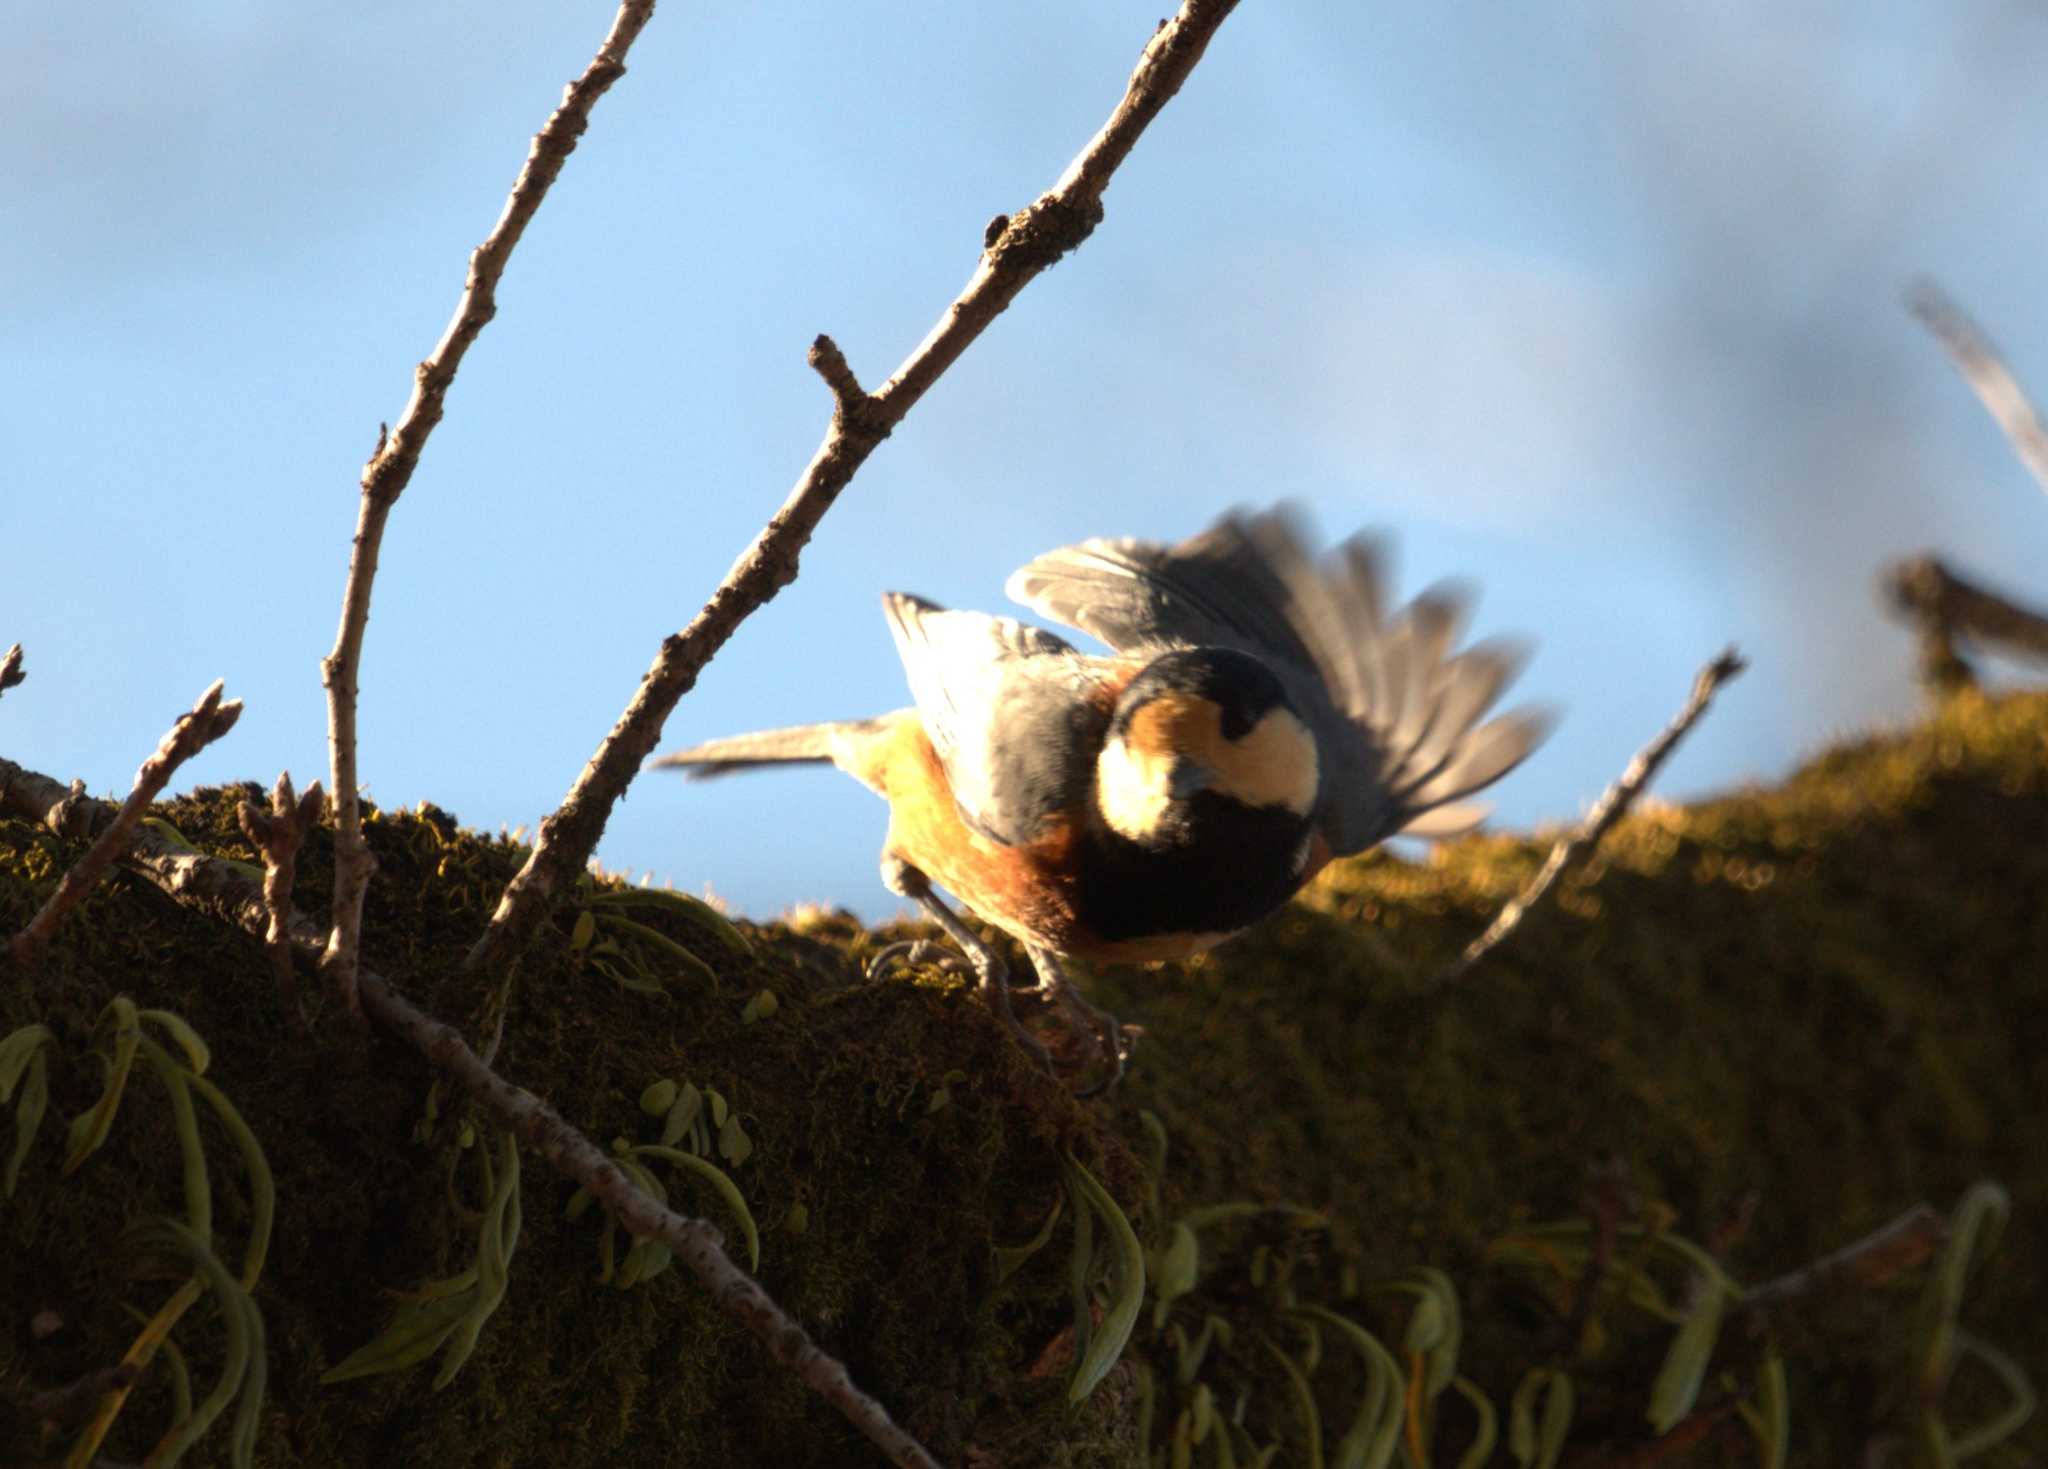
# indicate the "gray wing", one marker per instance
pixel 1007 708
pixel 1396 714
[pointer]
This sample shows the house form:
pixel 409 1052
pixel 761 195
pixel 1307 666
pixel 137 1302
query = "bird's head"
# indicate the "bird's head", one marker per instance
pixel 1203 736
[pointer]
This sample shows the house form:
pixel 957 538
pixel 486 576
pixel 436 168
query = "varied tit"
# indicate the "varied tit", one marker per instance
pixel 1259 714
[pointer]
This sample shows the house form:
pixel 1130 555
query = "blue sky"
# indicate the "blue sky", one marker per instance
pixel 1594 304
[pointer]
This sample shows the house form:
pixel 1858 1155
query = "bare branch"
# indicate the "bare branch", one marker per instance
pixel 222 889
pixel 1986 373
pixel 208 720
pixel 277 834
pixel 1024 244
pixel 1610 808
pixel 10 669
pixel 1941 604
pixel 397 454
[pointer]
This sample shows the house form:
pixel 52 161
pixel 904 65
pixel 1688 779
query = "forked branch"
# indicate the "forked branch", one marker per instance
pixel 1016 250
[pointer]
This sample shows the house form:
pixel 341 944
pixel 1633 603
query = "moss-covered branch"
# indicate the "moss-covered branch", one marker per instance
pixel 1827 995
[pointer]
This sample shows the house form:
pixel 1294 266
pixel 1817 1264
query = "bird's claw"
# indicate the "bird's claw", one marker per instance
pixel 907 952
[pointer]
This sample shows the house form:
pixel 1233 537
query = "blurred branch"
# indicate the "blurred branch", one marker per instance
pixel 390 469
pixel 1942 605
pixel 10 669
pixel 1610 808
pixel 208 720
pixel 1016 250
pixel 1906 1242
pixel 221 888
pixel 1986 373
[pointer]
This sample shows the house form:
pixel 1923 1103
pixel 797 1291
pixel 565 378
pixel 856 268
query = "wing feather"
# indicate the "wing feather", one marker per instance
pixel 1006 707
pixel 1393 706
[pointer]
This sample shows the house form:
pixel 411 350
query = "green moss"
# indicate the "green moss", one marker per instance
pixel 1828 995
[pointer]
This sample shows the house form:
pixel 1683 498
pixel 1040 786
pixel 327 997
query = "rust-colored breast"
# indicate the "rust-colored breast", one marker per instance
pixel 1027 890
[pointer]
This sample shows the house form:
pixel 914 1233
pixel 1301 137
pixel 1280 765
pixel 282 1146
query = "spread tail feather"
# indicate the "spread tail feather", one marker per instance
pixel 798 745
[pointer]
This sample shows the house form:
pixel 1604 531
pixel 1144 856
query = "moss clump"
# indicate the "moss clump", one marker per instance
pixel 1827 995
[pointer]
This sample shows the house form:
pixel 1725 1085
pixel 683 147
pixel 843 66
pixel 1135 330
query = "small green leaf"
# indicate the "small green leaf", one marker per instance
pixel 584 931
pixel 1487 1433
pixel 1375 1430
pixel 1127 1274
pixel 679 905
pixel 1304 1404
pixel 28 1116
pixel 1534 1444
pixel 414 1333
pixel 798 1219
pixel 1010 1258
pixel 626 927
pixel 2019 1392
pixel 90 1129
pixel 1425 1325
pixel 760 1007
pixel 681 1113
pixel 1178 1264
pixel 733 1143
pixel 1211 1215
pixel 1189 1356
pixel 718 1107
pixel 658 1097
pixel 1770 1418
pixel 192 1152
pixel 17 1051
pixel 729 1191
pixel 1677 1386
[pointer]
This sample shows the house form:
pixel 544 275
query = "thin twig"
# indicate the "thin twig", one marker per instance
pixel 10 669
pixel 1986 373
pixel 1942 605
pixel 277 834
pixel 208 720
pixel 1025 244
pixel 222 889
pixel 390 469
pixel 1610 1196
pixel 1907 1241
pixel 1610 808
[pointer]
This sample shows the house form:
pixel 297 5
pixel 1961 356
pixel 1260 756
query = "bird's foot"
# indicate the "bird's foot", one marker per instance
pixel 908 952
pixel 1114 1041
pixel 991 974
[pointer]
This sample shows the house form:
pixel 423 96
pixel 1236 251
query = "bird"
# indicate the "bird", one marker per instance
pixel 1259 713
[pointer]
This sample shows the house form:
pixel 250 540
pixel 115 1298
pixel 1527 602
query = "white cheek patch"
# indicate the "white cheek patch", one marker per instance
pixel 1132 790
pixel 1274 764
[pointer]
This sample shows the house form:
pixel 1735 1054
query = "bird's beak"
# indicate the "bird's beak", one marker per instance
pixel 1185 779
